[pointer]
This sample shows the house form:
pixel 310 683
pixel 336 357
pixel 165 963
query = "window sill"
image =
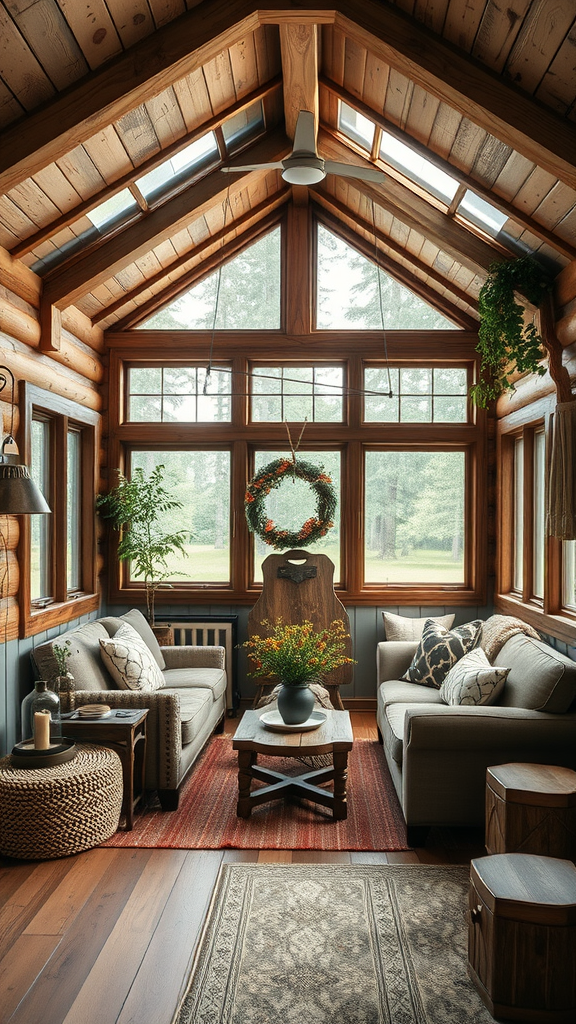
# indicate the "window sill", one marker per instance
pixel 58 614
pixel 561 626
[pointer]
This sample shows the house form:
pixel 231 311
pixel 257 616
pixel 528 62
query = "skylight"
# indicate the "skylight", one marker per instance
pixel 198 155
pixel 417 168
pixel 112 209
pixel 246 125
pixel 482 214
pixel 357 127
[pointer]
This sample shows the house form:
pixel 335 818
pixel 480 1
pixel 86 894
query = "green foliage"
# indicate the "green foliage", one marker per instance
pixel 62 653
pixel 505 342
pixel 297 653
pixel 134 508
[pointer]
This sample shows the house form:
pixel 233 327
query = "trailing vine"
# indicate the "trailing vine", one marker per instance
pixel 505 342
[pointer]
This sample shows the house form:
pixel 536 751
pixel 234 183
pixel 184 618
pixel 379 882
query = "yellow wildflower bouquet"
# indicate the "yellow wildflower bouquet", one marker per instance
pixel 297 653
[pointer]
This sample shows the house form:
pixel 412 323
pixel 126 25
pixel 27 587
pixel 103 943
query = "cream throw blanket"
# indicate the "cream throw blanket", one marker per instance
pixel 498 629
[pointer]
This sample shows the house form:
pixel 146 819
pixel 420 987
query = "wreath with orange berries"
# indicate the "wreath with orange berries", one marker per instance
pixel 272 476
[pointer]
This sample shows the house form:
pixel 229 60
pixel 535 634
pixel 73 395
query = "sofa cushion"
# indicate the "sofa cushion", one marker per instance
pixel 84 661
pixel 540 678
pixel 130 661
pixel 195 707
pixel 135 619
pixel 473 680
pixel 398 691
pixel 403 627
pixel 439 649
pixel 395 715
pixel 213 679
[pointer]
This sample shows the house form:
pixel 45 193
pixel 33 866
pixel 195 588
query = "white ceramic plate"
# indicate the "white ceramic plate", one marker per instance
pixel 273 720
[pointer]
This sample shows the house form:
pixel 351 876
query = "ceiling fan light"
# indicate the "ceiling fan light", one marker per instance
pixel 300 175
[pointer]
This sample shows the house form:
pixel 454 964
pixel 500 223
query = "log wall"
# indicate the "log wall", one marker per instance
pixel 74 371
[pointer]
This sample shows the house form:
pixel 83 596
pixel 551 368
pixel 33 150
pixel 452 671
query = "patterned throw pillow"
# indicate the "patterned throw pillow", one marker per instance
pixel 439 649
pixel 130 661
pixel 404 627
pixel 473 680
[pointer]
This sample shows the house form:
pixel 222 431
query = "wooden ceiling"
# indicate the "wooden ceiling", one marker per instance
pixel 94 95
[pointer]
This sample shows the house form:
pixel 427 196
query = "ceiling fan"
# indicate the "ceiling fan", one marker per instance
pixel 304 166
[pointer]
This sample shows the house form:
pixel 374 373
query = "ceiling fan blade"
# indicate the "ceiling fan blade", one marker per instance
pixel 254 167
pixel 354 171
pixel 305 135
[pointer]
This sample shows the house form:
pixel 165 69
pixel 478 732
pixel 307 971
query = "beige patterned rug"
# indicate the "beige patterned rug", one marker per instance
pixel 335 944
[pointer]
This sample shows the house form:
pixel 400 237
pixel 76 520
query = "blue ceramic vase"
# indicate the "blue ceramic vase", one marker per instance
pixel 295 703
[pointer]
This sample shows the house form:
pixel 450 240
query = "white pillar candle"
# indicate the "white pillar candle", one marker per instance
pixel 41 730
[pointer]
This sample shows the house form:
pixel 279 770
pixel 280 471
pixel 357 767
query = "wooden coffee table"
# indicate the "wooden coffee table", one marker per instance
pixel 334 737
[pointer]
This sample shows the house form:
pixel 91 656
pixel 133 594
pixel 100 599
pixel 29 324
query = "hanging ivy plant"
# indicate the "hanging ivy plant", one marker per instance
pixel 505 342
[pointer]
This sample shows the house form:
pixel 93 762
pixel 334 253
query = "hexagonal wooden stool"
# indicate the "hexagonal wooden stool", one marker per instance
pixel 531 808
pixel 522 937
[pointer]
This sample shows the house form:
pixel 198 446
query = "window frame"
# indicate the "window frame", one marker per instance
pixel 63 606
pixel 548 614
pixel 242 436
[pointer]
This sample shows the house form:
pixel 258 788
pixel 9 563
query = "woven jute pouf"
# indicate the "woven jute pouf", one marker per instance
pixel 54 812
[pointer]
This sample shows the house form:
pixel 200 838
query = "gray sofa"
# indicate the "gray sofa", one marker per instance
pixel 438 754
pixel 182 714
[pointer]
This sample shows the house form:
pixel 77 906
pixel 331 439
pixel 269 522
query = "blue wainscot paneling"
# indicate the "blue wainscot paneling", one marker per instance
pixel 366 629
pixel 18 679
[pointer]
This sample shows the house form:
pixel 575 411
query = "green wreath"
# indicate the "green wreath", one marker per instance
pixel 272 476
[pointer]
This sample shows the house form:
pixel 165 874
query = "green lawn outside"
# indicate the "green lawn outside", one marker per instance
pixel 208 564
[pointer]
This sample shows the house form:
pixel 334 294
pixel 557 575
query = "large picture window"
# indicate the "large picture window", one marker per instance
pixel 409 485
pixel 294 502
pixel 415 525
pixel 200 480
pixel 60 442
pixel 536 573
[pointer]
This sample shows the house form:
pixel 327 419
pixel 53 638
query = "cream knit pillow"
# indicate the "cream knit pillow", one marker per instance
pixel 130 661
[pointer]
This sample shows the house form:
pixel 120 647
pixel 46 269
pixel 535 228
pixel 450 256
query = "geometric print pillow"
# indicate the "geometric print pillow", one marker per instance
pixel 439 649
pixel 130 661
pixel 473 680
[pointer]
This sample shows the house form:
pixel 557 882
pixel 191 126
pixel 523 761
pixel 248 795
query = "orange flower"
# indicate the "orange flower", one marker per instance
pixel 269 526
pixel 248 496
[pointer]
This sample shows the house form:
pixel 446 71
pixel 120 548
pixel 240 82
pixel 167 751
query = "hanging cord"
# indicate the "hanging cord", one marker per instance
pixel 292 448
pixel 225 206
pixel 381 303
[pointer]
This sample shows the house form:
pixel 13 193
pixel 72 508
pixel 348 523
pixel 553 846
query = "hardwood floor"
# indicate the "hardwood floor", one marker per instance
pixel 108 936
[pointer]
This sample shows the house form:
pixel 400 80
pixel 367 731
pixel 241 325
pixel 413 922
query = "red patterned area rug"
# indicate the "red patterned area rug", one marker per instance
pixel 206 818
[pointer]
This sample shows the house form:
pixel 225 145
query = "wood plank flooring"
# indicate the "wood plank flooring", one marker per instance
pixel 108 936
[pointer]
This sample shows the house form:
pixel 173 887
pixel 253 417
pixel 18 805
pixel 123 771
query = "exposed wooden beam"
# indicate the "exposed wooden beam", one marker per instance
pixel 198 273
pixel 298 271
pixel 67 284
pixel 560 244
pixel 416 213
pixel 299 49
pixel 400 274
pixel 120 85
pixel 159 158
pixel 463 83
pixel 352 221
pixel 247 220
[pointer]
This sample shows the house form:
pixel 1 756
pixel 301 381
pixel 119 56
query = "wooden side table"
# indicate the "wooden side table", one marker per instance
pixel 125 732
pixel 522 937
pixel 531 808
pixel 333 737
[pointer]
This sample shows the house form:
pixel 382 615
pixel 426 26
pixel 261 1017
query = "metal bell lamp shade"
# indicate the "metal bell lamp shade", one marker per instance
pixel 19 495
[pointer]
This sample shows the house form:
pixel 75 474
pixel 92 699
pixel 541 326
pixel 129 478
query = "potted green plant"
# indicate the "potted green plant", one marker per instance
pixel 506 342
pixel 135 508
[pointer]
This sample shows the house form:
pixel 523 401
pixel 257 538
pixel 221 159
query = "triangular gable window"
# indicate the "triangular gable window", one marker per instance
pixel 349 294
pixel 247 297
